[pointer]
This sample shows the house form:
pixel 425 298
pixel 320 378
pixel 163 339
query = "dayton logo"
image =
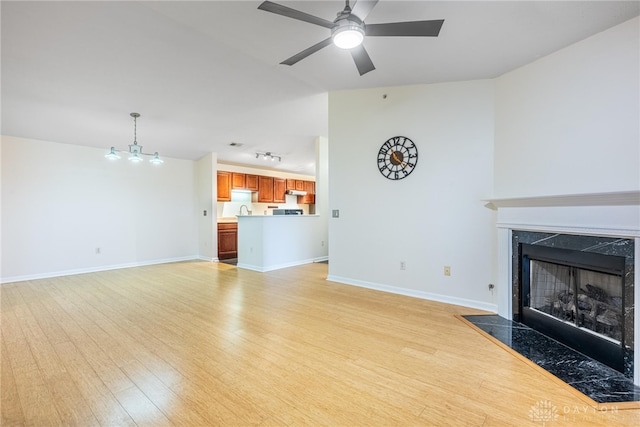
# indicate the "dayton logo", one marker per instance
pixel 543 412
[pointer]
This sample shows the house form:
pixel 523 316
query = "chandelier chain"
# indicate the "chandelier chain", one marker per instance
pixel 135 130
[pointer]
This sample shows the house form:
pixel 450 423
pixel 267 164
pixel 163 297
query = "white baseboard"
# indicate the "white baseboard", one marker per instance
pixel 93 269
pixel 262 269
pixel 493 308
pixel 208 259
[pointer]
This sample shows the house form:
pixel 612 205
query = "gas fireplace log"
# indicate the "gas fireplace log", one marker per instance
pixel 595 307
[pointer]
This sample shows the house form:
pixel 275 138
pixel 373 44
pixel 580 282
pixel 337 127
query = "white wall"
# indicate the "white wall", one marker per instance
pixel 432 218
pixel 569 122
pixel 207 192
pixel 272 242
pixel 322 189
pixel 60 202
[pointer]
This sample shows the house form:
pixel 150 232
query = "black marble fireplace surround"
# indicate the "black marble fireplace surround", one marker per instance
pixel 620 250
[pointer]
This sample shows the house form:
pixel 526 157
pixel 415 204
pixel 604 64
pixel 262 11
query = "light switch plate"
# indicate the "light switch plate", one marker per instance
pixel 335 213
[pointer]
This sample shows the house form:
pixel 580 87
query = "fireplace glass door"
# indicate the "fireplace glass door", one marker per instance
pixel 587 299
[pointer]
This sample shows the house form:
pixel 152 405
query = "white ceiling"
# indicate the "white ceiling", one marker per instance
pixel 204 74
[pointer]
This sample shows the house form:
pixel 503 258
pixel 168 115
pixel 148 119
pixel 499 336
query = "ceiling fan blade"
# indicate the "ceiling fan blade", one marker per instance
pixel 308 51
pixel 295 14
pixel 362 8
pixel 409 29
pixel 362 60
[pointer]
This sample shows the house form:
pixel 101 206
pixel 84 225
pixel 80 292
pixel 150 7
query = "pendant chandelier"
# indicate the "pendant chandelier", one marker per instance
pixel 135 150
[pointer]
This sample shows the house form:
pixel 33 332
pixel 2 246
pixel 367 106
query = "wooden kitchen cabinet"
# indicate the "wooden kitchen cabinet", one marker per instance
pixel 238 181
pixel 295 184
pixel 265 189
pixel 310 197
pixel 224 186
pixel 241 181
pixel 279 190
pixel 227 240
pixel 251 182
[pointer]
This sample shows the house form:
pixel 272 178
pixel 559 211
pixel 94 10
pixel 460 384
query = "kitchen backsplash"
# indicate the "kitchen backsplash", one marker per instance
pixel 231 209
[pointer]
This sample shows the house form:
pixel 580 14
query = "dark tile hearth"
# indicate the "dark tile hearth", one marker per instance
pixel 614 246
pixel 590 377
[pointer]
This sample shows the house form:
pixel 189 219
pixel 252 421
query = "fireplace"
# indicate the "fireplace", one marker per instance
pixel 579 290
pixel 576 298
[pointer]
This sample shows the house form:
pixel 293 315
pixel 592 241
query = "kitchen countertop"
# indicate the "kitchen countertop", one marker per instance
pixel 228 219
pixel 234 219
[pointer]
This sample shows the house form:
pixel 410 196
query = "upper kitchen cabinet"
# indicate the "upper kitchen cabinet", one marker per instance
pixel 238 181
pixel 265 189
pixel 310 197
pixel 251 182
pixel 291 184
pixel 241 181
pixel 295 184
pixel 224 186
pixel 279 190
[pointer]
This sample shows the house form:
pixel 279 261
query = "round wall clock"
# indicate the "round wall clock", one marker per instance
pixel 397 157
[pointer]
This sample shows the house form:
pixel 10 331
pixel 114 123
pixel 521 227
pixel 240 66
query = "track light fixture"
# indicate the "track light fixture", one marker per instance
pixel 135 150
pixel 268 156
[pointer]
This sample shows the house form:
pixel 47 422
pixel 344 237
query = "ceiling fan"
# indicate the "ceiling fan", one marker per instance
pixel 348 30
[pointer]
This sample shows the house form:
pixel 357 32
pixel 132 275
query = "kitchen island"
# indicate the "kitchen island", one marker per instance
pixel 271 242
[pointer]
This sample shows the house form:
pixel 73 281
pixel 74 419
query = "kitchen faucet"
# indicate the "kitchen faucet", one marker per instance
pixel 245 206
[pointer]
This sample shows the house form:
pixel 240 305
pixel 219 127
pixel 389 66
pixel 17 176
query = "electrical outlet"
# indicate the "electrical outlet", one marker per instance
pixel 322 243
pixel 447 270
pixel 403 265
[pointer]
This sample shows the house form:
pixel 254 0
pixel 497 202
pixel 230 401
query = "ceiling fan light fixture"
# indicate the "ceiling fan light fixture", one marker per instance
pixel 348 36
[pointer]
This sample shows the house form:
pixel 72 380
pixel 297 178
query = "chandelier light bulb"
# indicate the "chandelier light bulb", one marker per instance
pixel 156 160
pixel 112 154
pixel 135 157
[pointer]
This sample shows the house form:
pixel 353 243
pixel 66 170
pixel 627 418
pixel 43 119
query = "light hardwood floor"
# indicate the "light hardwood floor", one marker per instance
pixel 206 344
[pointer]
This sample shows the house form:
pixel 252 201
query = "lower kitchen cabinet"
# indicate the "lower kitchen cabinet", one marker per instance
pixel 227 240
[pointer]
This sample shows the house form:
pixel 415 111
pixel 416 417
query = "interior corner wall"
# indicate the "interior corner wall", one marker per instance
pixel 569 123
pixel 205 212
pixel 433 218
pixel 62 202
pixel 322 188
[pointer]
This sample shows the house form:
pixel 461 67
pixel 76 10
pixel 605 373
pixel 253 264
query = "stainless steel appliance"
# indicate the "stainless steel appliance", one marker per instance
pixel 287 211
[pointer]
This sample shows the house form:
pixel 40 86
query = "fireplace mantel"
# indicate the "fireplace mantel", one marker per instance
pixel 598 214
pixel 619 198
pixel 612 214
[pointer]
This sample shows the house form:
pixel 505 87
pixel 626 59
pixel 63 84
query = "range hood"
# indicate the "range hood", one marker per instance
pixel 296 193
